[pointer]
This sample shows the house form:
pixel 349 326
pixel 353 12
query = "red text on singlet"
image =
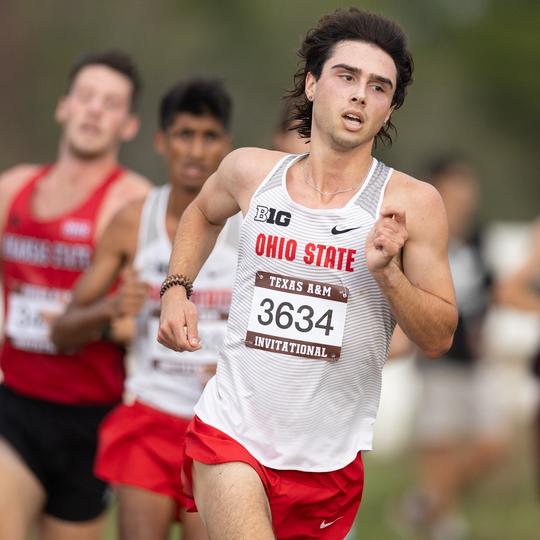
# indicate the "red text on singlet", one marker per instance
pixel 41 261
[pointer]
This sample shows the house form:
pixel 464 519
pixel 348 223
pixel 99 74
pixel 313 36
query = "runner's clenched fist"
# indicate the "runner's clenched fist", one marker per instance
pixel 386 239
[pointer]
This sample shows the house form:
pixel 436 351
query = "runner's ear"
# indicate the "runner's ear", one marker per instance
pixel 131 128
pixel 60 113
pixel 160 142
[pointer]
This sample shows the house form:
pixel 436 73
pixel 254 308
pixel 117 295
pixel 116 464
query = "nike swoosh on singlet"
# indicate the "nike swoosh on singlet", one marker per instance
pixel 324 524
pixel 335 230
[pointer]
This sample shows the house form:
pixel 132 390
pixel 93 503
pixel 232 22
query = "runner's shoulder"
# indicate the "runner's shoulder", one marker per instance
pixel 121 233
pixel 14 178
pixel 249 165
pixel 132 186
pixel 123 227
pixel 412 194
pixel 11 182
pixel 423 205
pixel 129 215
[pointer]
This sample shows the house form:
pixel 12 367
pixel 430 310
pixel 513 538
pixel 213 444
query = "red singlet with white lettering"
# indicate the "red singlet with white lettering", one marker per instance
pixel 41 261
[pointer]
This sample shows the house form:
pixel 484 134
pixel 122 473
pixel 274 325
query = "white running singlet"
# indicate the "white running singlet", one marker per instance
pixel 162 378
pixel 299 377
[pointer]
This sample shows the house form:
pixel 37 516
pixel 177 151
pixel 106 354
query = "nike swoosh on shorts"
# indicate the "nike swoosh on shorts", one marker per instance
pixel 324 524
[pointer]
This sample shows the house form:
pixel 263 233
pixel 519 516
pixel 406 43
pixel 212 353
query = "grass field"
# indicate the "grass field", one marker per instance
pixel 503 507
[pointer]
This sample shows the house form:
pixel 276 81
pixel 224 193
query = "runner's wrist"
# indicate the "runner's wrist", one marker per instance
pixel 177 282
pixel 112 308
pixel 389 276
pixel 179 293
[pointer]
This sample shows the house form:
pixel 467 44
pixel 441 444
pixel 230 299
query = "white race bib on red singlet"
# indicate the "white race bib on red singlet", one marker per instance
pixel 26 320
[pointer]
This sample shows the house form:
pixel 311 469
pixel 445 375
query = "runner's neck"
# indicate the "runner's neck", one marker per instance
pixel 83 174
pixel 331 170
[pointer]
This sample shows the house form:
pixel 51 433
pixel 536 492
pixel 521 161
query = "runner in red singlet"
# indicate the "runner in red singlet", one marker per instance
pixel 50 219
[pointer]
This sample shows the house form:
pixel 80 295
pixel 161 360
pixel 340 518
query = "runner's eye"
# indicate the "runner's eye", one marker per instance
pixel 184 134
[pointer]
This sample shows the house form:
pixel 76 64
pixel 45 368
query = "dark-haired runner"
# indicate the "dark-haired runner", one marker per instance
pixel 335 248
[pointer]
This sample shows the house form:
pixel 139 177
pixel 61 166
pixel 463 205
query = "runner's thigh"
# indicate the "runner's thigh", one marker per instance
pixel 21 495
pixel 232 501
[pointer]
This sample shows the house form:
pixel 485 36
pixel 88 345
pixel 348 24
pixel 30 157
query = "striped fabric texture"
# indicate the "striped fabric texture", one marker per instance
pixel 278 389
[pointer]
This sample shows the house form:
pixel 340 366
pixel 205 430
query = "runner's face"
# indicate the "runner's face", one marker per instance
pixel 193 146
pixel 96 113
pixel 352 98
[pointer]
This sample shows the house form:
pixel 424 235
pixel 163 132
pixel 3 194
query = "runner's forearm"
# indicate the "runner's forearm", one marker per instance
pixel 194 240
pixel 518 295
pixel 80 325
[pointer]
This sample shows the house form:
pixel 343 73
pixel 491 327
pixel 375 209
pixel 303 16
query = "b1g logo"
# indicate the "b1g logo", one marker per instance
pixel 272 216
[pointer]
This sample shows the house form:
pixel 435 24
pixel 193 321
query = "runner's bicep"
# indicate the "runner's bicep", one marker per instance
pixel 216 200
pixel 425 254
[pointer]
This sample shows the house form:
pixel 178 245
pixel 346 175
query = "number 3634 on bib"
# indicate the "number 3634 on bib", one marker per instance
pixel 296 316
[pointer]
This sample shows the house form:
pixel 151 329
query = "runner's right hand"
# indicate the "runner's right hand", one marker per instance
pixel 131 295
pixel 123 329
pixel 178 322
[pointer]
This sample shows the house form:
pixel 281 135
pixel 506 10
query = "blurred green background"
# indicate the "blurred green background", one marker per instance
pixel 476 85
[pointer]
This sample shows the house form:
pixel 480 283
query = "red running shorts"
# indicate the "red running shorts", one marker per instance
pixel 304 505
pixel 141 446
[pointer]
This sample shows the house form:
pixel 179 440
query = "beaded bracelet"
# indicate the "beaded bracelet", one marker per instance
pixel 174 280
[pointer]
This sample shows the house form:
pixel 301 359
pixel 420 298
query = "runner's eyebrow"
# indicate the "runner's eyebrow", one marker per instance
pixel 358 71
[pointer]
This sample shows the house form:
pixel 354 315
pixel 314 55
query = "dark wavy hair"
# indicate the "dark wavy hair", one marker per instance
pixel 114 59
pixel 344 25
pixel 197 96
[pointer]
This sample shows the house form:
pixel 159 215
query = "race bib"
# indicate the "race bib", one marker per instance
pixel 27 323
pixel 211 335
pixel 297 316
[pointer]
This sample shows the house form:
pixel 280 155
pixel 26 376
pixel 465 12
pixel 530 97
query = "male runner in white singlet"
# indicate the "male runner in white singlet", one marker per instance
pixel 50 219
pixel 335 248
pixel 140 447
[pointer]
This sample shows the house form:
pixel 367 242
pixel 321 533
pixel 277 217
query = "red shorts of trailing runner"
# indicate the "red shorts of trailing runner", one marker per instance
pixel 141 446
pixel 304 505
